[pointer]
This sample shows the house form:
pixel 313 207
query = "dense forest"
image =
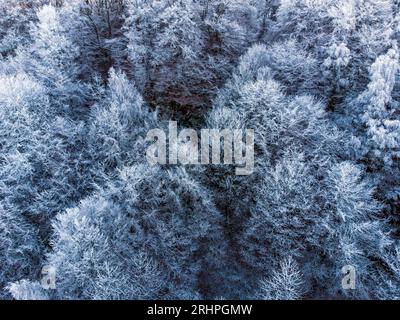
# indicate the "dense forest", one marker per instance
pixel 83 81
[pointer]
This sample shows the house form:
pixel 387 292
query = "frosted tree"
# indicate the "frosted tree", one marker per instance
pixel 377 111
pixel 231 26
pixel 293 66
pixel 284 213
pixel 178 46
pixel 336 67
pixel 181 51
pixel 278 120
pixel 149 234
pixel 298 147
pixel 38 174
pixel 21 138
pixel 28 130
pixel 20 248
pixel 267 16
pixel 145 277
pixel 87 263
pixel 119 124
pixel 284 284
pixel 336 31
pixel 384 282
pixel 183 229
pixel 26 290
pixel 289 131
pixel 96 28
pixel 326 235
pixel 83 81
pixel 346 38
pixel 356 235
pixel 141 29
pixel 380 109
pixel 52 60
pixel 14 24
